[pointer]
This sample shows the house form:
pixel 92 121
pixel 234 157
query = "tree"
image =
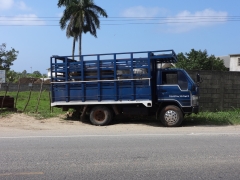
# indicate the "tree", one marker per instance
pixel 64 2
pixel 7 57
pixel 80 16
pixel 199 60
pixel 44 75
pixel 24 73
pixel 36 74
pixel 12 76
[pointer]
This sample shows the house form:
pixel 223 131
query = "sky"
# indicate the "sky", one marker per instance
pixel 32 28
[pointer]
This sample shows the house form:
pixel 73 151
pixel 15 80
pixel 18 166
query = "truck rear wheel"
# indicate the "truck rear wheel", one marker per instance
pixel 171 116
pixel 100 115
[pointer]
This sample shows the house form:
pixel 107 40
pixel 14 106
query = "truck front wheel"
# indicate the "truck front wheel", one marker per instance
pixel 100 116
pixel 171 116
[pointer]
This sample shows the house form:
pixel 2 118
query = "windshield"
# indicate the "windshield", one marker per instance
pixel 189 78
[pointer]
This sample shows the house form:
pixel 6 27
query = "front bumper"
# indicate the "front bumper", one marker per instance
pixel 195 109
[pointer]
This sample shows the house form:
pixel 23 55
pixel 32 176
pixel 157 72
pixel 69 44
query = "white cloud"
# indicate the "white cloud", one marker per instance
pixel 22 6
pixel 6 4
pixel 10 4
pixel 186 21
pixel 23 19
pixel 27 19
pixel 141 12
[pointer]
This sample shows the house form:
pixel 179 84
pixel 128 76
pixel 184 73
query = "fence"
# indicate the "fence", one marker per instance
pixel 29 97
pixel 13 87
pixel 219 90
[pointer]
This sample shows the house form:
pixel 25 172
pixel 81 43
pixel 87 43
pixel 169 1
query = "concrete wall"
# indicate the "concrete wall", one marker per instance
pixel 218 91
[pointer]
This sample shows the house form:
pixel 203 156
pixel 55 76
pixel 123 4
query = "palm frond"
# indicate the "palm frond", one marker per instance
pixel 65 2
pixel 80 16
pixel 99 10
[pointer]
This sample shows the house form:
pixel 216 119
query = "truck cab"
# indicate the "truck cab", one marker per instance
pixel 175 86
pixel 176 92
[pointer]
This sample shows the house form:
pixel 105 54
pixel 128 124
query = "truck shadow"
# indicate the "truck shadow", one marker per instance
pixel 202 121
pixel 187 122
pixel 120 119
pixel 152 121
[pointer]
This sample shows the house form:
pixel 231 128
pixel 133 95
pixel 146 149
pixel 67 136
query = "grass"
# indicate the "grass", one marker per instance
pixel 203 118
pixel 231 117
pixel 43 110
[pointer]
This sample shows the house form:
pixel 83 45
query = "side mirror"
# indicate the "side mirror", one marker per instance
pixel 198 78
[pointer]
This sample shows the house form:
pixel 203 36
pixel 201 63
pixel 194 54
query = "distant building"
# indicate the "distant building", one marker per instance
pixel 2 76
pixel 49 73
pixel 232 61
pixel 53 74
pixel 226 61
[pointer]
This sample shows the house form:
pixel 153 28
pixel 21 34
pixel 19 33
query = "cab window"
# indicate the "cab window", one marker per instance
pixel 169 78
pixel 175 78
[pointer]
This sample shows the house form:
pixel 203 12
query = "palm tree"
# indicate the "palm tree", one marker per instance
pixel 72 32
pixel 82 16
pixel 63 2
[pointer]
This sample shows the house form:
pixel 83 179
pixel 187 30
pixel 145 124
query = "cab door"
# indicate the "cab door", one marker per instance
pixel 173 86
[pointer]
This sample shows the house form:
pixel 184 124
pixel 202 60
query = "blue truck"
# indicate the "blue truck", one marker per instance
pixel 131 83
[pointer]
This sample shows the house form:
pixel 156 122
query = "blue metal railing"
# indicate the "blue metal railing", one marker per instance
pixel 110 75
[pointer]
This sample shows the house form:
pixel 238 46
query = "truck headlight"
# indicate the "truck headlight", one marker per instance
pixel 194 100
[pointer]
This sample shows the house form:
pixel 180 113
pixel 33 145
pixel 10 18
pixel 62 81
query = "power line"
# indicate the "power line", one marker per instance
pixel 121 17
pixel 154 19
pixel 112 24
pixel 127 20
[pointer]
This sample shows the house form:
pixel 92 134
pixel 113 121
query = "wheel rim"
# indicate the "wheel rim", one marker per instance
pixel 99 115
pixel 171 117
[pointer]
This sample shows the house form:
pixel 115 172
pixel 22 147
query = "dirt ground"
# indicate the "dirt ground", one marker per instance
pixel 22 122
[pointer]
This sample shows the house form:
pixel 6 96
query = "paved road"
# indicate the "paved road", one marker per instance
pixel 124 155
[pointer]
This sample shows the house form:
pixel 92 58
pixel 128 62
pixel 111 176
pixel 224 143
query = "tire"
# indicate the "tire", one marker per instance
pixel 171 116
pixel 100 115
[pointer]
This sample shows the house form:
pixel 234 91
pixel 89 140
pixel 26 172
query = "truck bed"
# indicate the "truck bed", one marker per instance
pixel 105 78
